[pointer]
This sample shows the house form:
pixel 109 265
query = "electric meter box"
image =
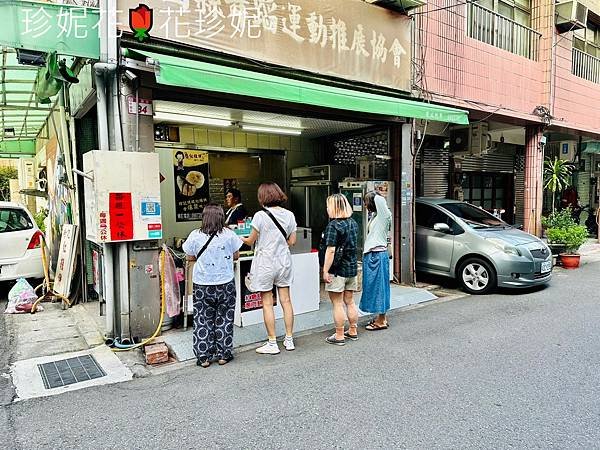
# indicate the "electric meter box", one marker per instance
pixel 122 196
pixel 27 173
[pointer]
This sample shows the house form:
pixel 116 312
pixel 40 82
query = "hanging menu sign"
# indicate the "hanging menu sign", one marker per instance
pixel 190 169
pixel 349 39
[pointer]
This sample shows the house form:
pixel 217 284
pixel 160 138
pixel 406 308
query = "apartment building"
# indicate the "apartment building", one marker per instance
pixel 528 72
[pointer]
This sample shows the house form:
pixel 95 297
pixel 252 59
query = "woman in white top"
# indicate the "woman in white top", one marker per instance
pixel 214 248
pixel 274 231
pixel 375 297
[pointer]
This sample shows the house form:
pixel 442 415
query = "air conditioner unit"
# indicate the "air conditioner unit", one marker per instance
pixel 42 180
pixel 571 16
pixel 480 139
pixel 398 5
pixel 459 140
pixel 27 173
pixel 567 150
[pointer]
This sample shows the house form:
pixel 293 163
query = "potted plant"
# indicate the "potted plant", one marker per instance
pixel 557 174
pixel 557 220
pixel 564 232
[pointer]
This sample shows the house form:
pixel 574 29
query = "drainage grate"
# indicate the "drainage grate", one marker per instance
pixel 70 371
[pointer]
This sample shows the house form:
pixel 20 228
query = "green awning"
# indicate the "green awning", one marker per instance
pixel 187 73
pixel 591 147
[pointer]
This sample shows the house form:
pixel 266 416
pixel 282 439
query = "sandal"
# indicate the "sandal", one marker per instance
pixel 204 364
pixel 224 361
pixel 372 326
pixel 352 337
pixel 332 340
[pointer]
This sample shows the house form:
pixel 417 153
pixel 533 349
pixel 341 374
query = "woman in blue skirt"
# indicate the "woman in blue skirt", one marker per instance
pixel 375 297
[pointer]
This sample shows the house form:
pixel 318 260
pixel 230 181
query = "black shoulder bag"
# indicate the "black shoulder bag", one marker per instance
pixel 276 222
pixel 339 253
pixel 205 246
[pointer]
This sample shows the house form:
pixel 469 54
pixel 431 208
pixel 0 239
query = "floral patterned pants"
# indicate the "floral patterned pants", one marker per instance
pixel 213 321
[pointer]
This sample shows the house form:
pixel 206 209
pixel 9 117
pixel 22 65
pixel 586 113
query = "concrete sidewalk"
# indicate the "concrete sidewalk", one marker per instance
pixel 590 251
pixel 180 341
pixel 52 331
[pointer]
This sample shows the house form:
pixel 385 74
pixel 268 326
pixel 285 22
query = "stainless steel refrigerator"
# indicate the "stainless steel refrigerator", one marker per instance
pixel 309 187
pixel 354 192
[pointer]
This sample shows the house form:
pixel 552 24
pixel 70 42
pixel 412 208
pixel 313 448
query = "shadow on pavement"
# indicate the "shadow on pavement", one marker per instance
pixel 445 282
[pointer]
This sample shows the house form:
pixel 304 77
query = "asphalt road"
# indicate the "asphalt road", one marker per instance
pixel 502 371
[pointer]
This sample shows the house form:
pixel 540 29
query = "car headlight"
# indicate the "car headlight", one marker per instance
pixel 506 248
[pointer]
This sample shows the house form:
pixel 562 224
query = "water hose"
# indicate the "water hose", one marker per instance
pixel 123 347
pixel 49 291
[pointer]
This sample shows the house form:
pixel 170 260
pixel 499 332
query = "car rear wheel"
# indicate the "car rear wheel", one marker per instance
pixel 477 276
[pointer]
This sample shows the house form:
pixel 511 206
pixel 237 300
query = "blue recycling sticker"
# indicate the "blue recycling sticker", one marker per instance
pixel 150 208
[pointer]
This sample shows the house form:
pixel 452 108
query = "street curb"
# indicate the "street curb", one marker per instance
pixel 173 366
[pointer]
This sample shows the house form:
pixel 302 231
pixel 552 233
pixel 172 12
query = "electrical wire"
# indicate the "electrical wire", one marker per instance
pixel 564 35
pixel 443 8
pixel 162 311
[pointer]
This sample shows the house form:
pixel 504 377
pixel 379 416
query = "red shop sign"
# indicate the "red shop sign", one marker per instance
pixel 121 216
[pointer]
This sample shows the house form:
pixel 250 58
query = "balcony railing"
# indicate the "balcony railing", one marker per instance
pixel 585 66
pixel 492 28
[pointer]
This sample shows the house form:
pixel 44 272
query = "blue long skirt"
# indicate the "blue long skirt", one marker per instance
pixel 375 298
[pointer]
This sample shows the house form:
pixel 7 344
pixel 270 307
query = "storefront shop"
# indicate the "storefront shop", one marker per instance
pixel 487 172
pixel 325 119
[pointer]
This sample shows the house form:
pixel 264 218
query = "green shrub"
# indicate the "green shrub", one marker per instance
pixel 571 237
pixel 6 174
pixel 39 219
pixel 559 219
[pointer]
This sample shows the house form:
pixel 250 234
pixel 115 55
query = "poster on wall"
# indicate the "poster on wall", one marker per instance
pixel 66 260
pixel 191 184
pixel 229 183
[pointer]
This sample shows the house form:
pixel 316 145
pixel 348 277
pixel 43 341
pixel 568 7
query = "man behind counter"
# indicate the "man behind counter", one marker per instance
pixel 236 211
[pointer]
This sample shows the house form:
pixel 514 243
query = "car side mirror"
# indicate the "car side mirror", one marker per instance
pixel 441 227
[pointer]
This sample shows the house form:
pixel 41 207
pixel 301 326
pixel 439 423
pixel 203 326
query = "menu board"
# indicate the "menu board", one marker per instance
pixel 190 168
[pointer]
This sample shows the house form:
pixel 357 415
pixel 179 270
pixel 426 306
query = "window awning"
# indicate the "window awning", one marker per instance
pixel 591 147
pixel 187 73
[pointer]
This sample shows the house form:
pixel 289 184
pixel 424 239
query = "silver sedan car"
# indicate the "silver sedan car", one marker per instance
pixel 458 240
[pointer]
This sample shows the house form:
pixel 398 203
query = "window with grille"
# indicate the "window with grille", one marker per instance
pixel 505 24
pixel 586 53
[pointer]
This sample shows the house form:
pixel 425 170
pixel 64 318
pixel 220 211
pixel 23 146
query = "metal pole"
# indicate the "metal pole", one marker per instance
pixel 100 69
pixel 406 201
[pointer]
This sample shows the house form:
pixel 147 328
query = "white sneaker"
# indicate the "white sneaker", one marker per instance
pixel 269 348
pixel 288 343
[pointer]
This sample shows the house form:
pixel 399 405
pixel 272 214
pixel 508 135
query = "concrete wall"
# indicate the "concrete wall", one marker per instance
pixel 466 72
pixel 576 100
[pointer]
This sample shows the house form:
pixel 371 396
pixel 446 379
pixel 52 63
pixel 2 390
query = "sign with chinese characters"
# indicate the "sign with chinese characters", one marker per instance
pixel 66 260
pixel 251 301
pixel 144 107
pixel 348 39
pixel 68 29
pixel 120 215
pixel 190 169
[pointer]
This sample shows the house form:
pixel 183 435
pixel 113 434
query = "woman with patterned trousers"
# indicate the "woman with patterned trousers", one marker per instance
pixel 214 248
pixel 375 297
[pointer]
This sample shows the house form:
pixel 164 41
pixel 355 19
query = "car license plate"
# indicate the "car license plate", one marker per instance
pixel 546 266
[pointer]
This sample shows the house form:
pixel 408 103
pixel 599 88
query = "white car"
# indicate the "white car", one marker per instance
pixel 20 243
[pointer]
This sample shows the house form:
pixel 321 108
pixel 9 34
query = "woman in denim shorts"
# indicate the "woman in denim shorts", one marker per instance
pixel 340 267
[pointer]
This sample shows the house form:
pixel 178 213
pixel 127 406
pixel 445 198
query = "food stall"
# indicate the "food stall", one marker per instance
pixel 304 290
pixel 200 163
